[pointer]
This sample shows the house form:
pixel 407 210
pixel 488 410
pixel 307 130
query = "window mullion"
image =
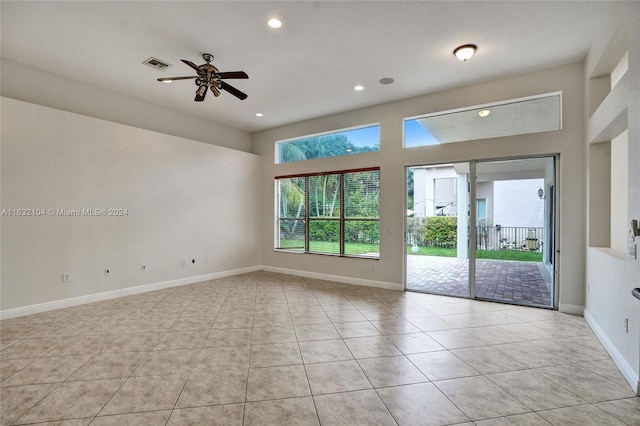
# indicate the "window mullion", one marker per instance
pixel 342 214
pixel 307 247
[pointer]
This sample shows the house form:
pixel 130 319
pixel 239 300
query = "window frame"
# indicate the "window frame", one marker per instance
pixel 489 105
pixel 278 144
pixel 343 217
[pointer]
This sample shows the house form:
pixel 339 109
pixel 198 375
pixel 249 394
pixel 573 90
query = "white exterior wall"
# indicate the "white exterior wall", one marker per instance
pixel 516 203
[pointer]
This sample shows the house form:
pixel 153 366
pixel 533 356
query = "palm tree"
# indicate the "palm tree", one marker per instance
pixel 292 197
pixel 290 152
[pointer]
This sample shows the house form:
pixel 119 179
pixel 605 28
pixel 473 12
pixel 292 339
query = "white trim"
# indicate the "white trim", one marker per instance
pixel 627 371
pixel 336 278
pixel 570 309
pixel 97 297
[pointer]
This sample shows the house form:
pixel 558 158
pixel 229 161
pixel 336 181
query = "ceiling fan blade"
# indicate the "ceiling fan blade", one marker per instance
pixel 235 92
pixel 201 93
pixel 232 74
pixel 177 78
pixel 192 65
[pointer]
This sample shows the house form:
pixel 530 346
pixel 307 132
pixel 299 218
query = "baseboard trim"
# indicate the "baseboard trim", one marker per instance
pixel 97 297
pixel 571 309
pixel 336 278
pixel 625 368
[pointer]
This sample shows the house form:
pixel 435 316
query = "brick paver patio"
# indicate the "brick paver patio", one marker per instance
pixel 504 280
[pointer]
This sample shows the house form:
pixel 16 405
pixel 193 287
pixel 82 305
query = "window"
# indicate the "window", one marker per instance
pixel 481 211
pixel 330 213
pixel 334 144
pixel 444 199
pixel 540 113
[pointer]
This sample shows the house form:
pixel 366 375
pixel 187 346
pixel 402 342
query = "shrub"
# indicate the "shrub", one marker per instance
pixel 441 231
pixel 362 232
pixel 325 230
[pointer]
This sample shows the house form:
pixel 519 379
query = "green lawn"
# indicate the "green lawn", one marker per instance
pixel 330 247
pixel 522 256
pixel 434 251
pixel 359 248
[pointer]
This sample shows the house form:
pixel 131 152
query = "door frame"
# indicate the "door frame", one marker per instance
pixel 551 190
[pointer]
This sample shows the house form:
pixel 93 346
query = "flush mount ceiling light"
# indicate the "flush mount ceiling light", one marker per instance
pixel 274 23
pixel 358 88
pixel 484 113
pixel 259 114
pixel 465 52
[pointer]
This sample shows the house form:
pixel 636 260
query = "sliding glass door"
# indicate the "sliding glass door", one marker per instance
pixel 499 247
pixel 514 240
pixel 438 229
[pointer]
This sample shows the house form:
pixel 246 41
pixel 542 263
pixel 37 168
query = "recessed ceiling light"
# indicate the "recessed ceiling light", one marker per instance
pixel 259 114
pixel 274 23
pixel 386 80
pixel 358 88
pixel 484 113
pixel 465 52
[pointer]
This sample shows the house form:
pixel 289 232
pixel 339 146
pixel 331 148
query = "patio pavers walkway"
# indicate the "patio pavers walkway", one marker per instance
pixel 504 280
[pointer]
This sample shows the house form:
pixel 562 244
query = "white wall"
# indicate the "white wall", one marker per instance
pixel 185 200
pixel 516 203
pixel 393 159
pixel 619 192
pixel 424 188
pixel 610 273
pixel 44 88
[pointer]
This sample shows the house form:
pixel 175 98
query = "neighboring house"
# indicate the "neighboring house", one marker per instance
pixel 510 214
pixel 511 203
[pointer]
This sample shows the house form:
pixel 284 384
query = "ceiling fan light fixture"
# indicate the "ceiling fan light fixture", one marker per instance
pixel 274 23
pixel 208 77
pixel 465 52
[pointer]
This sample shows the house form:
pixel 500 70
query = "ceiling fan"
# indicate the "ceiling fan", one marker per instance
pixel 210 78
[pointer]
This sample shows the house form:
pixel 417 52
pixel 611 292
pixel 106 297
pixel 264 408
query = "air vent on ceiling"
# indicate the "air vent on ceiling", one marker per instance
pixel 157 63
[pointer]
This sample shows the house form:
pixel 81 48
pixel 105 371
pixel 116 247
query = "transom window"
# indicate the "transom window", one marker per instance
pixel 533 114
pixel 334 213
pixel 333 144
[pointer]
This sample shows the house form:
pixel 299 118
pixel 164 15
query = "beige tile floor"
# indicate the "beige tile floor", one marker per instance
pixel 269 349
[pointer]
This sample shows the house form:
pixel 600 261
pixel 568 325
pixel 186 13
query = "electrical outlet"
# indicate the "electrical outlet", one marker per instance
pixel 143 267
pixel 107 272
pixel 66 277
pixel 184 263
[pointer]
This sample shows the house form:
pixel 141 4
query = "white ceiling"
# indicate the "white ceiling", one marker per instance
pixel 306 69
